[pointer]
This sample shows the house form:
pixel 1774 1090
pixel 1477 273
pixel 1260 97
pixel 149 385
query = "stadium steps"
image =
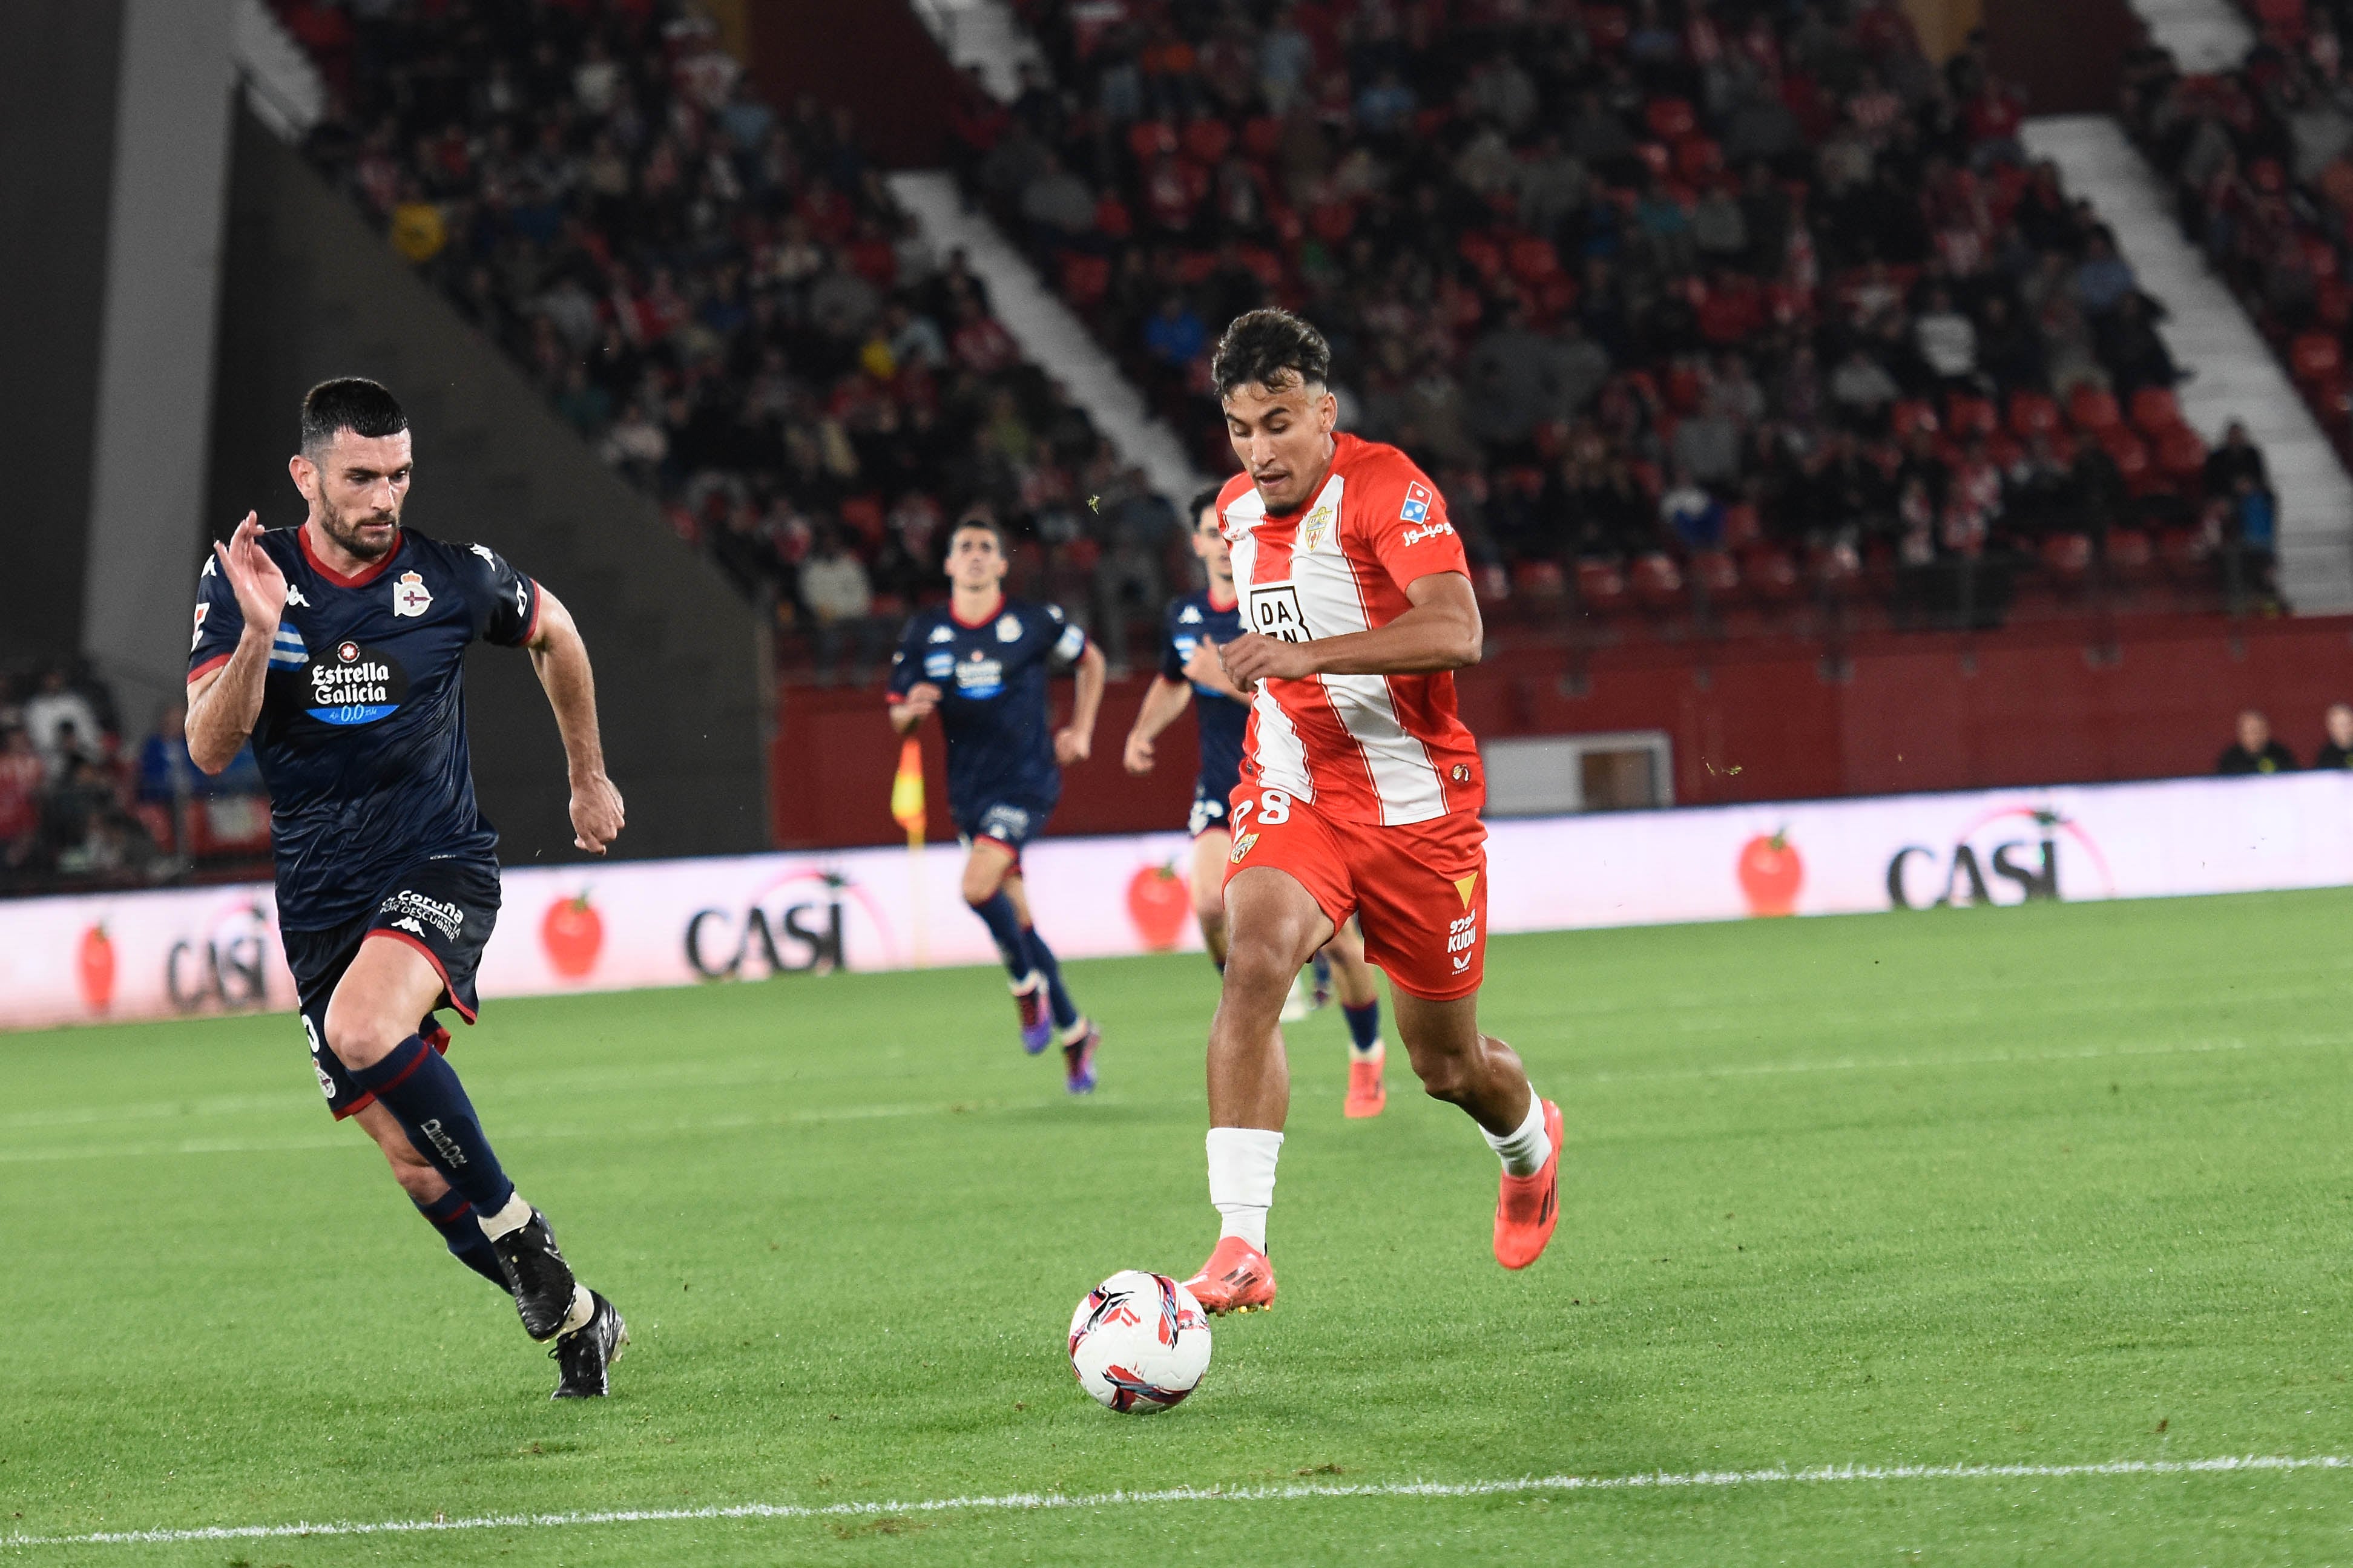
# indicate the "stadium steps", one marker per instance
pixel 1048 333
pixel 2202 35
pixel 2207 330
pixel 309 290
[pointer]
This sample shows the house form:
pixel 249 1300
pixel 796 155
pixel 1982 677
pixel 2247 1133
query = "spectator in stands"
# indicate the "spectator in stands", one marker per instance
pixel 1946 341
pixel 21 775
pixel 61 722
pixel 2104 277
pixel 1176 335
pixel 2255 751
pixel 839 600
pixel 2337 750
pixel 1861 385
pixel 166 771
pixel 2235 458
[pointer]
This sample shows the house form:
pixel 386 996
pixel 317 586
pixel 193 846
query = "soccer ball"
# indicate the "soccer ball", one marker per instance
pixel 1139 1342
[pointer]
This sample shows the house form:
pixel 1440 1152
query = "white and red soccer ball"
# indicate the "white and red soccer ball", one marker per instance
pixel 1139 1342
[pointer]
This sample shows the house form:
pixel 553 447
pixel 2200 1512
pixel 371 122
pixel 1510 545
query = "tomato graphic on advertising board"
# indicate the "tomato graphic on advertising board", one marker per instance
pixel 96 965
pixel 1158 900
pixel 573 932
pixel 1771 871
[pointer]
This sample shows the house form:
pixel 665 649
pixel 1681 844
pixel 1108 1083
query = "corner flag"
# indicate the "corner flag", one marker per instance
pixel 907 791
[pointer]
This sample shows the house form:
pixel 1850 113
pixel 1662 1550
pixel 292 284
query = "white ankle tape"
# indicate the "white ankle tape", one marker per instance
pixel 584 1307
pixel 514 1217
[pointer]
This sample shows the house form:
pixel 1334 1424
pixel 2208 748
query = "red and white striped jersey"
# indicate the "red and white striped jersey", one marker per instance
pixel 1385 749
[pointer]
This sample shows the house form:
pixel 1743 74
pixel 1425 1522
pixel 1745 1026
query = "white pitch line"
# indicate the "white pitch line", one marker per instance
pixel 1039 1501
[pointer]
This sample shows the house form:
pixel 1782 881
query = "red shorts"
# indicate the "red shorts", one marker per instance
pixel 1419 891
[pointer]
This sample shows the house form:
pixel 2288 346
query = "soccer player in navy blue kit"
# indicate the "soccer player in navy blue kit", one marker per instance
pixel 337 648
pixel 981 663
pixel 1191 676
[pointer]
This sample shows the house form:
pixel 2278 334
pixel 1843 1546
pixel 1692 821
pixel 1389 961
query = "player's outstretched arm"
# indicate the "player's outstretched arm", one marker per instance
pixel 224 705
pixel 1163 700
pixel 912 710
pixel 1440 631
pixel 561 661
pixel 1075 742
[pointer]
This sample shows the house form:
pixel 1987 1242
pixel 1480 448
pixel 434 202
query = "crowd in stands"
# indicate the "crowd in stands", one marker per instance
pixel 722 296
pixel 1747 292
pixel 80 808
pixel 2261 160
pixel 2257 751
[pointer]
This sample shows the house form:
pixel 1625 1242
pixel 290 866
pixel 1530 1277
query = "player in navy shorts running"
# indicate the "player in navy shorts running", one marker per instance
pixel 337 648
pixel 981 663
pixel 1191 676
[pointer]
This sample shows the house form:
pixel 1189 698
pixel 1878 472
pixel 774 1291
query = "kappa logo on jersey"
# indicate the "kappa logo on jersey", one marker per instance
pixel 410 596
pixel 1243 846
pixel 1189 615
pixel 1008 628
pixel 1275 612
pixel 941 633
pixel 409 926
pixel 489 557
pixel 294 597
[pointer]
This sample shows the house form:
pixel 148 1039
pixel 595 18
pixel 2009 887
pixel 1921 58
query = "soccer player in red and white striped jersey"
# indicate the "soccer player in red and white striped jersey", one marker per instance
pixel 1360 790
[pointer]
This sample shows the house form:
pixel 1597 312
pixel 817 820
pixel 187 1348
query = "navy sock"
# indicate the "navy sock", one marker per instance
pixel 453 1217
pixel 1221 964
pixel 424 1095
pixel 1364 1023
pixel 1042 960
pixel 996 913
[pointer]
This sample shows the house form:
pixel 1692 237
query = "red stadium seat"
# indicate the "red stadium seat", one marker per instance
pixel 1698 160
pixel 1656 159
pixel 1836 567
pixel 1914 413
pixel 1713 571
pixel 1670 119
pixel 1332 222
pixel 1606 27
pixel 1741 528
pixel 1206 141
pixel 1966 416
pixel 1147 138
pixel 2068 556
pixel 2180 455
pixel 2314 356
pixel 2154 410
pixel 2092 410
pixel 1772 575
pixel 1658 582
pixel 1263 136
pixel 2032 414
pixel 2129 454
pixel 1485 257
pixel 2129 554
pixel 2184 552
pixel 1492 583
pixel 1533 259
pixel 1085 278
pixel 1600 587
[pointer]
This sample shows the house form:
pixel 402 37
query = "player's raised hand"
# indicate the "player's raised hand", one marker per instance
pixel 598 815
pixel 1073 744
pixel 253 576
pixel 1250 658
pixel 917 705
pixel 1138 756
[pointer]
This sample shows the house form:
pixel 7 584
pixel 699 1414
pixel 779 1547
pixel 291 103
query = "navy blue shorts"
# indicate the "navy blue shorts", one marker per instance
pixel 1012 823
pixel 1209 799
pixel 445 909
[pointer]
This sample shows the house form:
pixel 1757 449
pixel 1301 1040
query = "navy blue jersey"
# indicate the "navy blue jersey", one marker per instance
pixel 994 705
pixel 1191 621
pixel 362 737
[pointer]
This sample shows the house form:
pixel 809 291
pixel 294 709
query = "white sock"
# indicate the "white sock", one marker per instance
pixel 1242 1179
pixel 514 1217
pixel 1524 1151
pixel 584 1307
pixel 1373 1052
pixel 1077 1031
pixel 1023 986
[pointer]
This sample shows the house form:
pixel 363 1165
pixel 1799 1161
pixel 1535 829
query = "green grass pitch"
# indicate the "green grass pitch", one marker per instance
pixel 2039 1186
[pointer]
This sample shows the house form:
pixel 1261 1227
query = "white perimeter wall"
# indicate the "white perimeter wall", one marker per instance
pixel 679 922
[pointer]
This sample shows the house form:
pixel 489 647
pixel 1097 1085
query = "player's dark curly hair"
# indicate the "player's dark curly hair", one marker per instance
pixel 1272 348
pixel 350 402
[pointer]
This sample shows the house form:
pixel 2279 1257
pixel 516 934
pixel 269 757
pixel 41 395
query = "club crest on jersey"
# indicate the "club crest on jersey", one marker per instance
pixel 410 596
pixel 1417 504
pixel 1008 628
pixel 1243 846
pixel 1318 526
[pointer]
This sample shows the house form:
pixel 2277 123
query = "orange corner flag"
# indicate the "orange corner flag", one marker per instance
pixel 907 789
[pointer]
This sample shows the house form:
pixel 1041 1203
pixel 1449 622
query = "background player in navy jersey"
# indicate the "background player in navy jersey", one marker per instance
pixel 1191 676
pixel 982 663
pixel 337 648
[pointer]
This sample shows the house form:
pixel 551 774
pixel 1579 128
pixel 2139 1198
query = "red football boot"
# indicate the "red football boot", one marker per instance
pixel 1238 1278
pixel 1366 1093
pixel 1529 1206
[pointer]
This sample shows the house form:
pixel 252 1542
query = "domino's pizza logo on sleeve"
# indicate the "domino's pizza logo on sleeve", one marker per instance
pixel 1417 504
